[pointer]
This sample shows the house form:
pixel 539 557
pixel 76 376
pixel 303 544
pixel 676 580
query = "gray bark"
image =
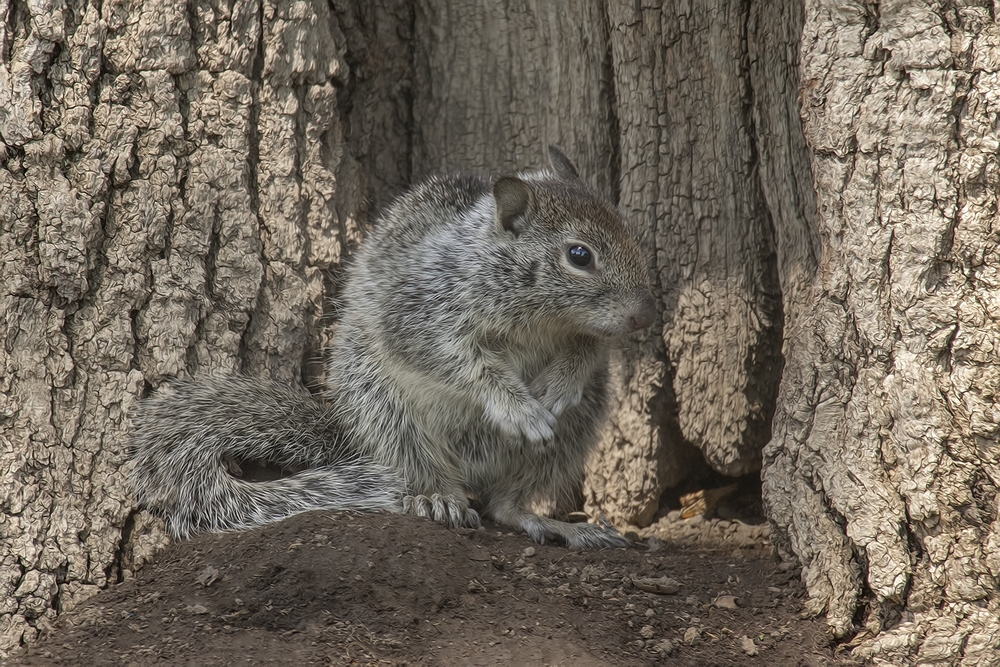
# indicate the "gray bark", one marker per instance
pixel 177 181
pixel 707 374
pixel 883 472
pixel 495 83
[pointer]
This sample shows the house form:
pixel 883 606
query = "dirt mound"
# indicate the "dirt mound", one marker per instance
pixel 338 588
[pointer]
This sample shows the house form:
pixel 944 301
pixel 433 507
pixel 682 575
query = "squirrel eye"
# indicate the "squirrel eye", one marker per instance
pixel 580 255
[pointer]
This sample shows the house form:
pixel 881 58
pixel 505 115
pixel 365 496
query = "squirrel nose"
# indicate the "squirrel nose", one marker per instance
pixel 645 312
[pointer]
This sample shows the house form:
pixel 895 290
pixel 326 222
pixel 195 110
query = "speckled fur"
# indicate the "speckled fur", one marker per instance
pixel 470 362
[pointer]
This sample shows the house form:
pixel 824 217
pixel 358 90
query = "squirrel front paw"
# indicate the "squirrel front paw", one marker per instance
pixel 530 419
pixel 556 394
pixel 447 509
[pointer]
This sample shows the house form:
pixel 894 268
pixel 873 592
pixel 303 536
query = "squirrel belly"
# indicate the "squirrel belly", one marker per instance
pixel 470 362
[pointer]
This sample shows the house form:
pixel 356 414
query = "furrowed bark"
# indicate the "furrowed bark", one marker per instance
pixel 883 471
pixel 707 373
pixel 176 181
pixel 496 83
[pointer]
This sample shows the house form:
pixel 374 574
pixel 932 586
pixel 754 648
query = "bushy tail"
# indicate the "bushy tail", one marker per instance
pixel 189 433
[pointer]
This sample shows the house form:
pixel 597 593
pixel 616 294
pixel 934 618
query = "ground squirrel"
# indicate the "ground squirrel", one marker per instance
pixel 470 363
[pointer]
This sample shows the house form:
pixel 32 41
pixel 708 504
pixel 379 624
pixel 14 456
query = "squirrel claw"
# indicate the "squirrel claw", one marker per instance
pixel 444 509
pixel 574 535
pixel 591 536
pixel 559 400
pixel 532 421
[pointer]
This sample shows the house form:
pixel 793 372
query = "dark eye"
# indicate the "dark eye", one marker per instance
pixel 580 255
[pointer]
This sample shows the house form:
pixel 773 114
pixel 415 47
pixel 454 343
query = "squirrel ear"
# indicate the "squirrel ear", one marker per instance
pixel 562 165
pixel 512 197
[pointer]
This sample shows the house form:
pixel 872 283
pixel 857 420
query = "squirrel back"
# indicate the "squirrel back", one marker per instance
pixel 469 363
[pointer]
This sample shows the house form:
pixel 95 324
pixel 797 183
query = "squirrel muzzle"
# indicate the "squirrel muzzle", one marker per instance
pixel 644 313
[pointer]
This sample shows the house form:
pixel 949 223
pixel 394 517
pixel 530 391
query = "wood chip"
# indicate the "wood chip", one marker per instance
pixel 208 576
pixel 726 602
pixel 705 500
pixel 658 585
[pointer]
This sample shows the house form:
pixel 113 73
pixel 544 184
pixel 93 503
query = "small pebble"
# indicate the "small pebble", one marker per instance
pixel 692 636
pixel 208 576
pixel 726 602
pixel 529 552
pixel 659 585
pixel 748 646
pixel 665 647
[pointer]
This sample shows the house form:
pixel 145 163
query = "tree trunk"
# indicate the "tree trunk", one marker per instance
pixel 883 471
pixel 495 83
pixel 177 181
pixel 706 375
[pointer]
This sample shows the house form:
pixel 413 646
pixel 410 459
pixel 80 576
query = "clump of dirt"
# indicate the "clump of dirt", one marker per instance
pixel 350 589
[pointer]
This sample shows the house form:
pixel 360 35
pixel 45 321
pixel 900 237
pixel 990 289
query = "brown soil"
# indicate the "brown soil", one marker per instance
pixel 346 589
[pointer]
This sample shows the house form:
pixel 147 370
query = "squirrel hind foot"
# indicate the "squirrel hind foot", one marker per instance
pixel 589 536
pixel 573 535
pixel 445 509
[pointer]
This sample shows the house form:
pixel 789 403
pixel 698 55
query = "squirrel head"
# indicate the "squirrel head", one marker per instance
pixel 585 268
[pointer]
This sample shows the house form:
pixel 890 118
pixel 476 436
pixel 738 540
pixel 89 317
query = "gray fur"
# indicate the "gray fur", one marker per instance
pixel 470 362
pixel 190 432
